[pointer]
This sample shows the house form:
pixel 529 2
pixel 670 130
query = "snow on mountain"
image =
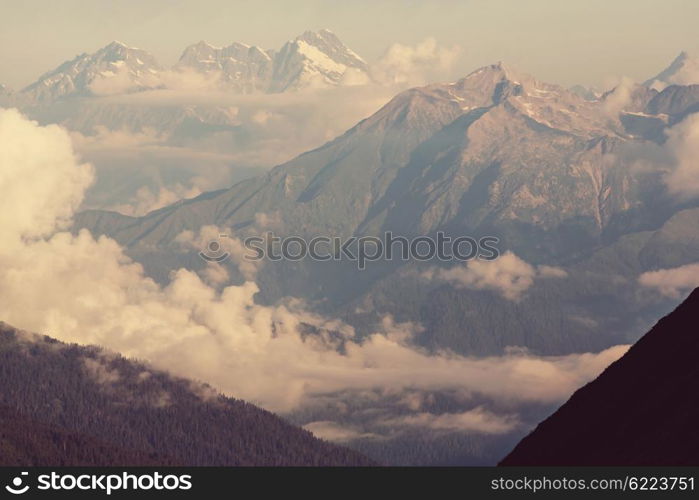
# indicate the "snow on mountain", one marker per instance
pixel 310 60
pixel 316 59
pixel 313 59
pixel 115 68
pixel 239 67
pixel 684 70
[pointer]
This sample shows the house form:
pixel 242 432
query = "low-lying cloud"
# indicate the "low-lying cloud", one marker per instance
pixel 672 282
pixel 508 275
pixel 683 143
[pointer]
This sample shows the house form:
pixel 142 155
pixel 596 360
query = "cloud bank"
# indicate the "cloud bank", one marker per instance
pixel 507 275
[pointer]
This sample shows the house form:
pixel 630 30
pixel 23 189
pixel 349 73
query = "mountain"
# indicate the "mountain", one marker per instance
pixel 642 410
pixel 316 59
pixel 312 59
pixel 587 93
pixel 240 67
pixel 115 68
pixel 83 396
pixel 684 70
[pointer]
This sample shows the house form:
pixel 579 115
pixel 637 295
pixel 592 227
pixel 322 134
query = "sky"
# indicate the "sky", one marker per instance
pixel 567 42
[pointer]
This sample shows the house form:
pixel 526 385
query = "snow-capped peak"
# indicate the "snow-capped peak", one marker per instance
pixel 311 59
pixel 683 70
pixel 315 59
pixel 115 68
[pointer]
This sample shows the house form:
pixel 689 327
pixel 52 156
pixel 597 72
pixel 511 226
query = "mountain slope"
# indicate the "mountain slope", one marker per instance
pixel 102 396
pixel 642 410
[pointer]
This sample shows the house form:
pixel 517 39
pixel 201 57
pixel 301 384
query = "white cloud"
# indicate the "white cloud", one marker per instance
pixel 508 275
pixel 477 420
pixel 683 143
pixel 146 200
pixel 333 431
pixel 672 282
pixel 620 97
pixel 415 65
pixel 47 185
pixel 100 372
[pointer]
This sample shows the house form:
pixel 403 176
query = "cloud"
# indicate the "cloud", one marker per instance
pixel 47 185
pixel 333 431
pixel 81 289
pixel 683 143
pixel 672 282
pixel 477 420
pixel 100 372
pixel 620 97
pixel 146 200
pixel 508 275
pixel 122 81
pixel 415 65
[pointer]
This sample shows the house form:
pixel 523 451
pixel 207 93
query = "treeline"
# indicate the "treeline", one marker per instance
pixel 127 405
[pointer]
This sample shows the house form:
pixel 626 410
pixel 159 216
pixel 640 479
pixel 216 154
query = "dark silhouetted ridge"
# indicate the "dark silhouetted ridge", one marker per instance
pixel 642 410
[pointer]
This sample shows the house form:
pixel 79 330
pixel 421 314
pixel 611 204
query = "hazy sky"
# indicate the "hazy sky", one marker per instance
pixel 564 42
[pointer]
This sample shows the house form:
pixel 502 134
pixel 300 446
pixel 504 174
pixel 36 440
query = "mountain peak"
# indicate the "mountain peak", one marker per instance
pixel 88 74
pixel 116 43
pixel 683 70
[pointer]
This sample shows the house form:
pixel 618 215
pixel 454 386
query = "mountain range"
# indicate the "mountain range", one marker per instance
pixel 312 59
pixel 641 410
pixel 551 174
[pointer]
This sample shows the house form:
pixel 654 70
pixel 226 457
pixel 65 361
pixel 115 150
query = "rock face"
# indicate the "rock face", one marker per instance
pixel 642 410
pixel 106 410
